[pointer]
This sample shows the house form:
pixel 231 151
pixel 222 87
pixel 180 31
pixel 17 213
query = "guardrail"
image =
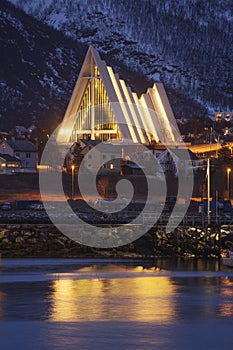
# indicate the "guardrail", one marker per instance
pixel 189 220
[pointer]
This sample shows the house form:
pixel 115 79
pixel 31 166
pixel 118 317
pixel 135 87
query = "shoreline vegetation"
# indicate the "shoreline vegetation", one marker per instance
pixel 45 241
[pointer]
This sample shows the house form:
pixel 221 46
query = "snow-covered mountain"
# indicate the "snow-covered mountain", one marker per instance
pixel 39 68
pixel 187 44
pixel 36 77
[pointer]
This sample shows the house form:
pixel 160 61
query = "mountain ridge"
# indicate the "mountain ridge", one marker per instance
pixel 39 69
pixel 41 61
pixel 186 44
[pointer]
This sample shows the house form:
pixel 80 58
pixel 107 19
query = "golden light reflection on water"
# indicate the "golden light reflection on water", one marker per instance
pixel 144 299
pixel 226 306
pixel 2 298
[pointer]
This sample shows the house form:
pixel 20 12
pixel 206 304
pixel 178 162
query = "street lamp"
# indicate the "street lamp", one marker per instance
pixel 230 148
pixel 72 175
pixel 208 191
pixel 228 181
pixel 217 140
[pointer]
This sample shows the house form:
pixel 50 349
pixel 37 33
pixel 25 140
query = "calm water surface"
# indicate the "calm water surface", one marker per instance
pixel 106 305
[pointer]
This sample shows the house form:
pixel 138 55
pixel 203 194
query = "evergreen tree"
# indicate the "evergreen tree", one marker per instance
pixel 77 157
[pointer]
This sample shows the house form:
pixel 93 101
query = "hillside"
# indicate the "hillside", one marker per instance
pixel 184 44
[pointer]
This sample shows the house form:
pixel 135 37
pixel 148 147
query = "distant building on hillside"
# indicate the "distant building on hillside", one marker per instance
pixel 23 150
pixel 227 116
pixel 3 135
pixel 186 162
pixel 21 131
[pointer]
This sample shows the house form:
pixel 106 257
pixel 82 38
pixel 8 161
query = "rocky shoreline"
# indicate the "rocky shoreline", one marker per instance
pixel 45 241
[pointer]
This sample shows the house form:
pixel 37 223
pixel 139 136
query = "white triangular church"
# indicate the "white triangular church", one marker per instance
pixel 103 107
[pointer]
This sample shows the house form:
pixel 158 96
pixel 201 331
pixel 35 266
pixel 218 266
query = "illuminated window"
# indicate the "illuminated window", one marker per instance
pixel 12 165
pixel 103 114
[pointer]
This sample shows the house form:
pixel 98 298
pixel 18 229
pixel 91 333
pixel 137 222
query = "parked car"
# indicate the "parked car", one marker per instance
pixel 6 206
pixel 49 207
pixel 36 206
pixel 25 204
pixel 32 206
pixel 39 207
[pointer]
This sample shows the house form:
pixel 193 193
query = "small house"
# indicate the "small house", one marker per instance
pixel 184 158
pixel 9 164
pixel 23 150
pixel 107 157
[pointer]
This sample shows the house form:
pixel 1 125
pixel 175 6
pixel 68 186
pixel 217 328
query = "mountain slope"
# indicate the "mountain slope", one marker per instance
pixel 40 64
pixel 184 43
pixel 39 67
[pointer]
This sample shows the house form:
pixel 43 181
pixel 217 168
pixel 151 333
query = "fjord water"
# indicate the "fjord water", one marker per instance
pixel 111 305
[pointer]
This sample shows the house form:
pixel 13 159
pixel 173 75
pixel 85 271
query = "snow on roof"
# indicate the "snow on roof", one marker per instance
pixel 21 145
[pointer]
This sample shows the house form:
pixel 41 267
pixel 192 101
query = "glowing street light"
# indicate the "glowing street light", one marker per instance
pixel 230 148
pixel 72 175
pixel 228 181
pixel 208 191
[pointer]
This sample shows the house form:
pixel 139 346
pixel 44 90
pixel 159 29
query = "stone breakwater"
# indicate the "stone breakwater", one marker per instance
pixel 44 240
pixel 41 240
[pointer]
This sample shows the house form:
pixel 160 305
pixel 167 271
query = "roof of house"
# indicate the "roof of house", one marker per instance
pixel 21 145
pixel 90 142
pixel 21 128
pixel 9 158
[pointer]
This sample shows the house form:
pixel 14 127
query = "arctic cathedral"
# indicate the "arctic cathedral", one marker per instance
pixel 104 108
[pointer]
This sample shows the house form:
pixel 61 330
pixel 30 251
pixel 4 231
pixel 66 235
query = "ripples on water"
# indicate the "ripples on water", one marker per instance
pixel 90 304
